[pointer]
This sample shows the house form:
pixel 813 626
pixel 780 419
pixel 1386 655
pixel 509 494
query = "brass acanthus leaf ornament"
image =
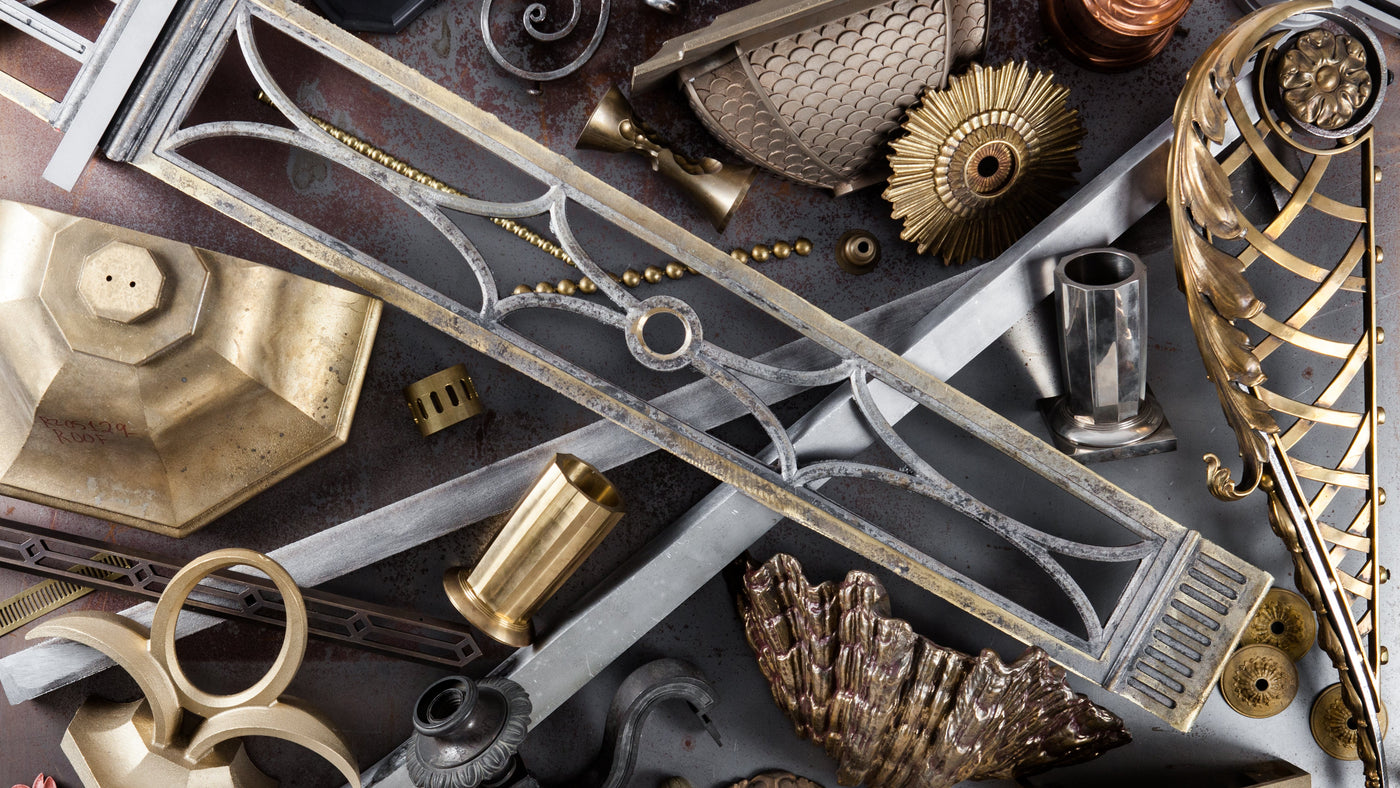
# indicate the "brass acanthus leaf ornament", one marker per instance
pixel 893 708
pixel 1324 79
pixel 983 161
pixel 1218 293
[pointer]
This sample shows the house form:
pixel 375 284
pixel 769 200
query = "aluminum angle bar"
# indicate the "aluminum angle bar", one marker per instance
pixel 107 91
pixel 56 36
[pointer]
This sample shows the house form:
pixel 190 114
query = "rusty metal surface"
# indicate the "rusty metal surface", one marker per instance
pixel 385 458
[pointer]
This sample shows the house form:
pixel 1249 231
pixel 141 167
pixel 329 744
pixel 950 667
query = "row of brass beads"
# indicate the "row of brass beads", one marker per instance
pixel 407 170
pixel 631 277
pixel 654 274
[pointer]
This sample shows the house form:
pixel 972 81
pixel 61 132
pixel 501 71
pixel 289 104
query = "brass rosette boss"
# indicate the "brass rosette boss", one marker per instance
pixel 1334 726
pixel 1259 681
pixel 982 161
pixel 565 514
pixel 1285 621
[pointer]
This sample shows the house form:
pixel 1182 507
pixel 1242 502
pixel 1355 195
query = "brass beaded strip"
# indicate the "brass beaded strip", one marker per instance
pixel 631 277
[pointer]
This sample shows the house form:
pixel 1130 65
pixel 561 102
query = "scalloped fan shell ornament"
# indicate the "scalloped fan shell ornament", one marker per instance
pixel 895 709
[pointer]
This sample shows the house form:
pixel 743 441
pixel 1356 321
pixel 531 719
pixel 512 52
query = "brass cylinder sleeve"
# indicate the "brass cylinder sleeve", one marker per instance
pixel 565 514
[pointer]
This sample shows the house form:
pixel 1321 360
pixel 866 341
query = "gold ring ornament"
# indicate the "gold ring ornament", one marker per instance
pixel 983 161
pixel 141 744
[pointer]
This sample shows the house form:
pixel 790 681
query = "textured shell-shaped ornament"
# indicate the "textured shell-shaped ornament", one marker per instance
pixel 893 708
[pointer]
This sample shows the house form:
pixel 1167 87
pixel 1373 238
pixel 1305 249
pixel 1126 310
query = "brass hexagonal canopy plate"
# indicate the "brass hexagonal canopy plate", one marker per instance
pixel 173 392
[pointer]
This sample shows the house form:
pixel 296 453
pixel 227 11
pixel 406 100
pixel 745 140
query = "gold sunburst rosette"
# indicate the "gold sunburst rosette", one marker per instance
pixel 983 160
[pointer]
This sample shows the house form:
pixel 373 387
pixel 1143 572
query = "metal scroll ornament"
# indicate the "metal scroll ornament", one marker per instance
pixel 1332 532
pixel 812 91
pixel 147 742
pixel 983 160
pixel 535 15
pixel 893 708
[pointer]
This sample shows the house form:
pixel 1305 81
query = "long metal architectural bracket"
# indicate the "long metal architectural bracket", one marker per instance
pixel 1326 513
pixel 1160 645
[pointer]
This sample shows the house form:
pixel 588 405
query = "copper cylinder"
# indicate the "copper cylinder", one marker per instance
pixel 562 518
pixel 1113 35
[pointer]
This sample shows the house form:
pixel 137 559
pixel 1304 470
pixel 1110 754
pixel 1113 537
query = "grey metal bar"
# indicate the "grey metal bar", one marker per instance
pixel 470 498
pixel 676 563
pixel 107 91
pixel 41 27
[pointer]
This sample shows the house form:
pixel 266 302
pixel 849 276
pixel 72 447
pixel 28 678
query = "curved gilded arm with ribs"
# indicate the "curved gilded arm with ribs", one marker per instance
pixel 1325 512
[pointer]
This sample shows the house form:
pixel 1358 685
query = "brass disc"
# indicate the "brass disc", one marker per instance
pixel 1334 727
pixel 1284 621
pixel 1259 681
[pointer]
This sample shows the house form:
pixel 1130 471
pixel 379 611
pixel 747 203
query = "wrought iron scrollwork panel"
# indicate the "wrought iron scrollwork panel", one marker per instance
pixel 1118 652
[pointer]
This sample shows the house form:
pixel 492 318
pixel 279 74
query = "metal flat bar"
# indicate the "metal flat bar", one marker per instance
pixel 473 497
pixel 107 91
pixel 46 30
pixel 401 633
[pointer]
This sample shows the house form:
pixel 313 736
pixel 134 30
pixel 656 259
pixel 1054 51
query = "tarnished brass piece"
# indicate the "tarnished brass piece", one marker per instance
pixel 812 90
pixel 1113 35
pixel 716 188
pixel 857 252
pixel 146 743
pixel 1259 681
pixel 1285 621
pixel 982 161
pixel 157 385
pixel 886 691
pixel 442 399
pixel 1334 726
pixel 1324 79
pixel 569 509
pixel 776 780
pixel 1332 540
pixel 49 595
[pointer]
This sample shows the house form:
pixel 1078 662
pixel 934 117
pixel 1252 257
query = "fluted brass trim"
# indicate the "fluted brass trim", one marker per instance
pixel 565 514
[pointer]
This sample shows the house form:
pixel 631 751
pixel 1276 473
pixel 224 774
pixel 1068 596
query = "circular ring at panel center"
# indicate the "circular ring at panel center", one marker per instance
pixel 663 333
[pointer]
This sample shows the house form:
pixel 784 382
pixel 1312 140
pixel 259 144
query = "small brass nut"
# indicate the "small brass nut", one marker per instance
pixel 857 252
pixel 121 282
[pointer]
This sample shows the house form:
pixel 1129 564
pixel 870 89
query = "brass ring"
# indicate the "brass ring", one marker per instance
pixel 284 668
